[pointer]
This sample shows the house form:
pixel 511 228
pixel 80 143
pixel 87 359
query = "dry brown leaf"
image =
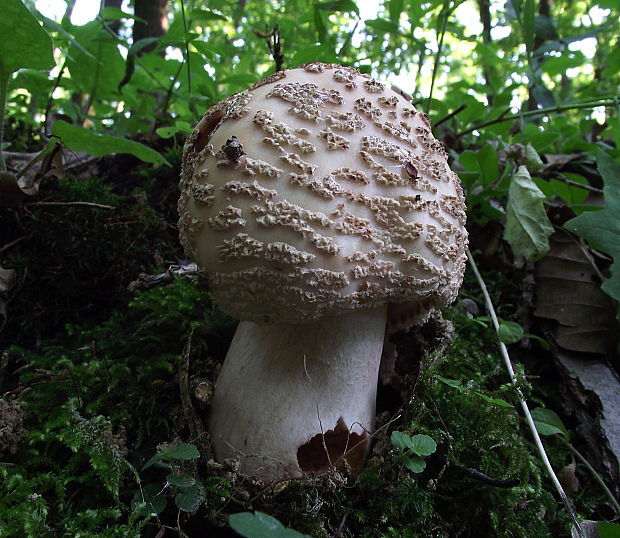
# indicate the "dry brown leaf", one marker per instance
pixel 568 291
pixel 33 168
pixel 568 478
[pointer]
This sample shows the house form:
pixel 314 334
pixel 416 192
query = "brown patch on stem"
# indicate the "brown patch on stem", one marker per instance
pixel 327 449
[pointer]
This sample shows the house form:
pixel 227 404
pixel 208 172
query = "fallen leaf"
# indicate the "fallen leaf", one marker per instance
pixel 602 228
pixel 568 291
pixel 568 478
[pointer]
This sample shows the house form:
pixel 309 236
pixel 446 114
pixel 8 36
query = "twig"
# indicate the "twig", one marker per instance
pixel 347 41
pixel 485 479
pixel 87 204
pixel 524 406
pixel 444 25
pixel 451 115
pixel 50 100
pixel 590 188
pixel 539 112
pixel 193 420
pixel 12 243
pixel 192 104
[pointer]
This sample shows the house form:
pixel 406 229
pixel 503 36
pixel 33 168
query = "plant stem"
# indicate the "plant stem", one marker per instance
pixel 524 406
pixel 192 105
pixel 540 112
pixel 450 115
pixel 444 24
pixel 596 476
pixel 4 86
pixel 86 204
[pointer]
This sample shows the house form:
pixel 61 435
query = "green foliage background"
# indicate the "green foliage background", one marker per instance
pixel 91 368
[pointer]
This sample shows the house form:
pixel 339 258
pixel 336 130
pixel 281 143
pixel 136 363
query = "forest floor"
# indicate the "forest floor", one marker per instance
pixel 111 347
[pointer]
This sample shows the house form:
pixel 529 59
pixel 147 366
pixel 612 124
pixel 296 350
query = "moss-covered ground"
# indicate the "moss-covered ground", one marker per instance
pixel 90 378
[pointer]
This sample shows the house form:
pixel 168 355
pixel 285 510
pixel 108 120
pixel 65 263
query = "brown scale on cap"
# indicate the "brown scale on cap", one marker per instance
pixel 326 199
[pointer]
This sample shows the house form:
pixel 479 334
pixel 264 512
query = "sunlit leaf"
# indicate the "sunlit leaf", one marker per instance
pixel 23 43
pixel 81 139
pixel 99 71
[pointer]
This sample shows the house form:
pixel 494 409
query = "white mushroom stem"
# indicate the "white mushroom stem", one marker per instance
pixel 293 399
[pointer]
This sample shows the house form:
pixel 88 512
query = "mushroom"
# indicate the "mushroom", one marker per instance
pixel 313 201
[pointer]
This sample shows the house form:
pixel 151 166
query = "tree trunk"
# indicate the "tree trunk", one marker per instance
pixel 155 15
pixel 114 25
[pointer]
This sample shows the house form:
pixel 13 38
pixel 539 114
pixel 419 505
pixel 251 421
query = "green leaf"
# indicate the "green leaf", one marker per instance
pixel 488 162
pixel 23 43
pixel 184 451
pixel 314 53
pixel 148 501
pixel 205 15
pixel 181 480
pixel 469 160
pixel 607 529
pixel 532 159
pixel 80 139
pixel 189 498
pixel 493 401
pixel 116 13
pixel 382 25
pixel 509 332
pixel 601 229
pixel 400 440
pixel 423 445
pixel 343 6
pixel 207 51
pixel 260 525
pixel 529 22
pixel 101 68
pixel 454 383
pixel 527 226
pixel 415 464
pixel 547 422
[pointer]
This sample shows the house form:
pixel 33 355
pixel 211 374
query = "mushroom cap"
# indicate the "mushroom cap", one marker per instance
pixel 320 191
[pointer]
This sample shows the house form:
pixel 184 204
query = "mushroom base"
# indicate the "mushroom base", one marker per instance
pixel 295 399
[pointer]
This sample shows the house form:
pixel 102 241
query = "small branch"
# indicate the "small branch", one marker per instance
pixel 347 41
pixel 192 104
pixel 485 479
pixel 524 406
pixel 451 115
pixel 193 420
pixel 564 179
pixel 274 46
pixel 4 88
pixel 12 243
pixel 444 25
pixel 539 112
pixel 87 204
pixel 50 100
